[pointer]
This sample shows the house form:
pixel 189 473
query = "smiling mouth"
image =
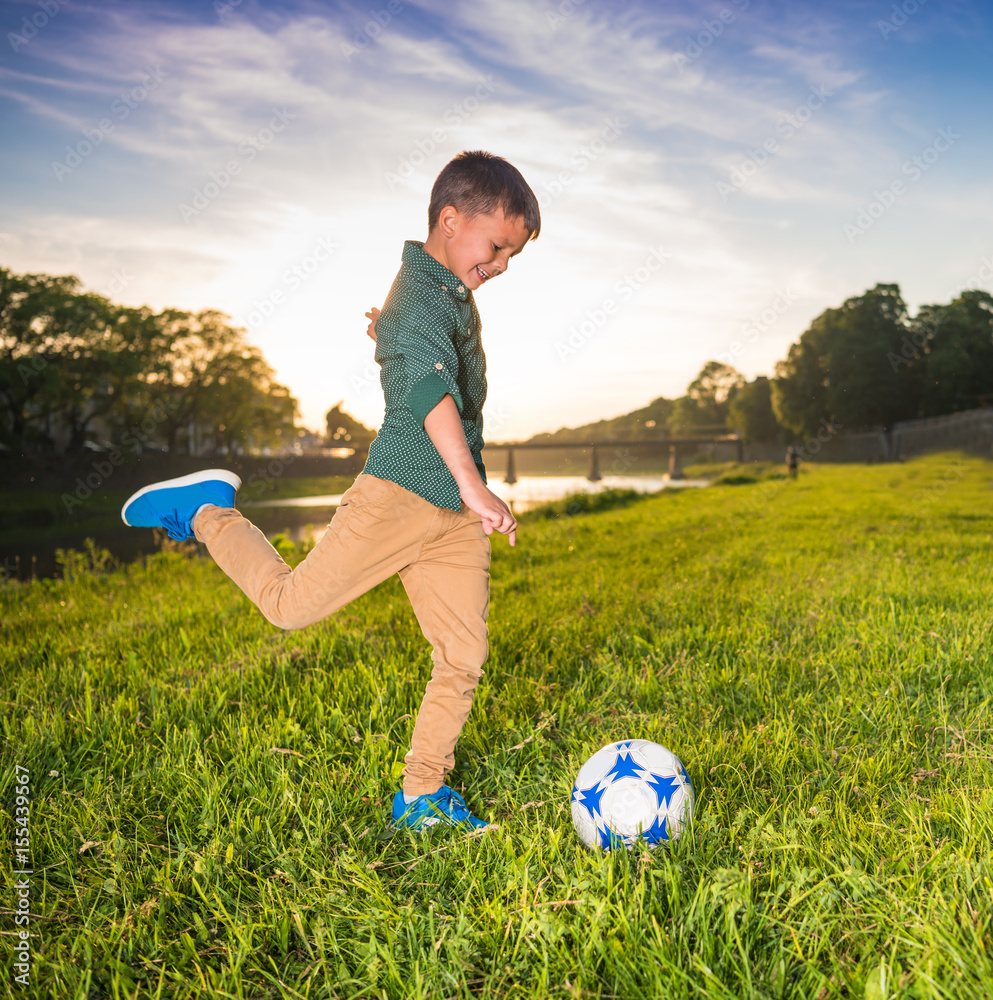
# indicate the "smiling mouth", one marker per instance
pixel 484 275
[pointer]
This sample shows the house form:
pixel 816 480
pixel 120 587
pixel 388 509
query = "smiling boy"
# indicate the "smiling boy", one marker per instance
pixel 421 507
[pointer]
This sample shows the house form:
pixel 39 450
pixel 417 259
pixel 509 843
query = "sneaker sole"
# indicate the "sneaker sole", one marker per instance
pixel 431 822
pixel 428 824
pixel 208 475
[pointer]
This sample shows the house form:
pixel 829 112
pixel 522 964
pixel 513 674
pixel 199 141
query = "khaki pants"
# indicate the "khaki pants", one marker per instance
pixel 443 559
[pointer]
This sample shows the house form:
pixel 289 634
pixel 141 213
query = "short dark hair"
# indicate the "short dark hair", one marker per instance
pixel 476 183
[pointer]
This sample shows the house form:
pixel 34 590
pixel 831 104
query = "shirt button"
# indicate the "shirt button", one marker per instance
pixel 461 289
pixel 439 366
pixel 444 288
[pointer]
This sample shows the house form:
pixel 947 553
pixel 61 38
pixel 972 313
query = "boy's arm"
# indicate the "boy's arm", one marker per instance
pixel 444 427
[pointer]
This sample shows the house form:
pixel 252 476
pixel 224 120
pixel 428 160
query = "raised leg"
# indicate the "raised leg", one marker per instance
pixel 376 531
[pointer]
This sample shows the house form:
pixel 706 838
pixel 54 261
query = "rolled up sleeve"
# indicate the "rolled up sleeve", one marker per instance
pixel 431 367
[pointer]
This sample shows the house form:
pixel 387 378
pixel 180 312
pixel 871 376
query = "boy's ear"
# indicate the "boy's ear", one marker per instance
pixel 448 220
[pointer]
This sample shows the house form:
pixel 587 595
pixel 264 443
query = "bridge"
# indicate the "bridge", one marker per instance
pixel 676 446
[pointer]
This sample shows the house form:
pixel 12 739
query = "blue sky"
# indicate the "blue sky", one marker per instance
pixel 712 176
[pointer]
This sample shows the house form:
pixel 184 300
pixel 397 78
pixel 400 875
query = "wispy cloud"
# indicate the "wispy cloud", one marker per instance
pixel 366 130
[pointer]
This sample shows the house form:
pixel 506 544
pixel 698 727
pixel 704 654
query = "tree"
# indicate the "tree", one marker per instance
pixel 136 410
pixel 104 353
pixel 800 389
pixel 841 369
pixel 29 372
pixel 220 386
pixel 645 424
pixel 751 412
pixel 956 342
pixel 344 431
pixel 74 365
pixel 707 398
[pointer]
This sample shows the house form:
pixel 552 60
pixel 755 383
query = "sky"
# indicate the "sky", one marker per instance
pixel 712 176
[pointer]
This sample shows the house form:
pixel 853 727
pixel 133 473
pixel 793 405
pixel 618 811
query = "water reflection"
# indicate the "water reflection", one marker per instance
pixel 530 491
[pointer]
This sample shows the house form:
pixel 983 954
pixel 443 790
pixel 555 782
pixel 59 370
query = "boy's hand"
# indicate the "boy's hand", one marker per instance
pixel 495 513
pixel 443 426
pixel 372 315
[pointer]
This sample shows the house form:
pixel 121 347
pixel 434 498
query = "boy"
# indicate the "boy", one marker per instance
pixel 420 507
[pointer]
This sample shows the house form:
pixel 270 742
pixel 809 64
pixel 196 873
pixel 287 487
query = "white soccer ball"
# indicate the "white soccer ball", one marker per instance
pixel 631 789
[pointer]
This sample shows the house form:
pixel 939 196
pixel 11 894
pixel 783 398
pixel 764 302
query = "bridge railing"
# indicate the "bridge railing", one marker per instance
pixel 677 447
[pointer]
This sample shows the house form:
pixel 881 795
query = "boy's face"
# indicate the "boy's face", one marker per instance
pixel 476 249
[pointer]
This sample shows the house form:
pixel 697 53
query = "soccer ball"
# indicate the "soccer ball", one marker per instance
pixel 629 789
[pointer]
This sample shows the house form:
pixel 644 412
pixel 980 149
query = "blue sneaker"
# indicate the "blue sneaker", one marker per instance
pixel 173 503
pixel 442 806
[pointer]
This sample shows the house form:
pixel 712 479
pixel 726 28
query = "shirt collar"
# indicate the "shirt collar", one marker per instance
pixel 415 257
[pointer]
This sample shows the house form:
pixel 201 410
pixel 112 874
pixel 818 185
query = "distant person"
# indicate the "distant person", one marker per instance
pixel 420 507
pixel 792 461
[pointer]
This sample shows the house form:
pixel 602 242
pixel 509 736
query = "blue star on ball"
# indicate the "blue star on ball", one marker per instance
pixel 665 787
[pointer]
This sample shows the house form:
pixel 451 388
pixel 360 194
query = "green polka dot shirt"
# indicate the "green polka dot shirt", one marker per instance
pixel 427 345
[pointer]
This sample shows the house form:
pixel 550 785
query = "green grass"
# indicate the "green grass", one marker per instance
pixel 715 470
pixel 209 794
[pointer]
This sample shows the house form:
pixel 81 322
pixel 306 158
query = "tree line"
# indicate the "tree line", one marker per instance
pixel 868 363
pixel 864 364
pixel 78 371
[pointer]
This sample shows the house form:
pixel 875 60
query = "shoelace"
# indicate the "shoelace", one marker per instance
pixel 444 803
pixel 176 529
pixel 449 803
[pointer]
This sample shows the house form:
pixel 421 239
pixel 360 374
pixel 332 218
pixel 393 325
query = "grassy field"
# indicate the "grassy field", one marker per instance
pixel 208 795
